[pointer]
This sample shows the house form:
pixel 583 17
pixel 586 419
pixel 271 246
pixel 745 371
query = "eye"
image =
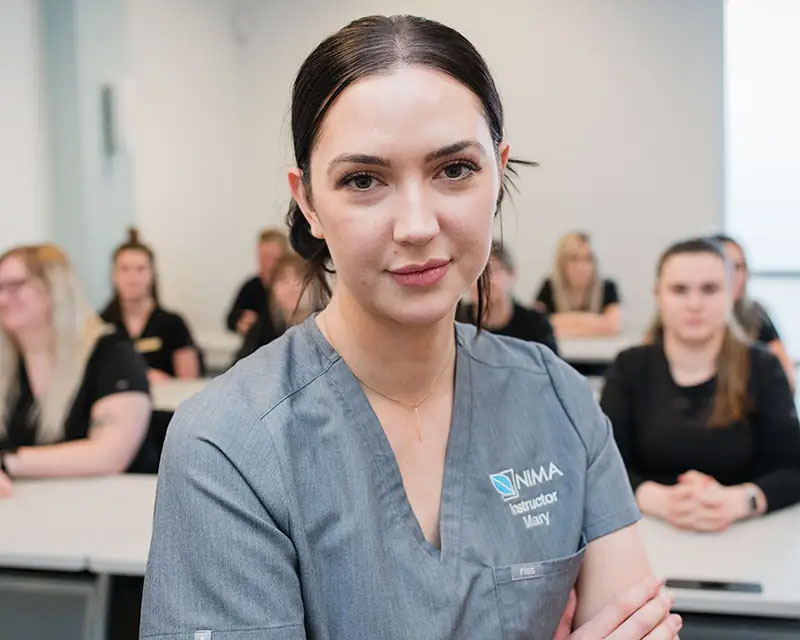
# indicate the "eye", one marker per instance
pixel 459 170
pixel 359 181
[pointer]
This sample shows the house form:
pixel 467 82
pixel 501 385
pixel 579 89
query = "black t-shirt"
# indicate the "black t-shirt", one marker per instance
pixel 525 324
pixel 662 429
pixel 253 296
pixel 163 334
pixel 261 333
pixel 547 299
pixel 113 367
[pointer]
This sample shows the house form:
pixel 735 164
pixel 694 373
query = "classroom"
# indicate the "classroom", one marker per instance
pixel 399 320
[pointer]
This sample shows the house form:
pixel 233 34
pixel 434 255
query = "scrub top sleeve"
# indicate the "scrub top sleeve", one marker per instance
pixel 219 561
pixel 118 368
pixel 179 335
pixel 609 504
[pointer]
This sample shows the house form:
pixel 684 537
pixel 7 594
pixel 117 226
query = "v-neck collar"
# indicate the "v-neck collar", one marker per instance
pixel 145 326
pixel 386 469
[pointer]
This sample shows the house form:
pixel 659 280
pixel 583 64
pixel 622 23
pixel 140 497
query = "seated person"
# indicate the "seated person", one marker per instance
pixel 75 394
pixel 503 314
pixel 750 314
pixel 705 420
pixel 580 302
pixel 252 301
pixel 161 336
pixel 289 304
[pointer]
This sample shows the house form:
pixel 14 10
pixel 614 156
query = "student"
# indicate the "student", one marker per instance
pixel 74 394
pixel 161 336
pixel 504 315
pixel 370 473
pixel 705 421
pixel 751 316
pixel 253 297
pixel 288 305
pixel 580 302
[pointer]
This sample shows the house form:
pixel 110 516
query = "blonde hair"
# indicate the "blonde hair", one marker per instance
pixel 564 300
pixel 732 399
pixel 75 330
pixel 274 235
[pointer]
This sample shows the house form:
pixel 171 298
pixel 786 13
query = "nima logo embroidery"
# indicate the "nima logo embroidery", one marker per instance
pixel 509 484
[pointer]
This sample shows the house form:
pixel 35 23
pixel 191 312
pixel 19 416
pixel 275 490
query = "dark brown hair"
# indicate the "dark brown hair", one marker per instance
pixel 113 312
pixel 365 47
pixel 732 400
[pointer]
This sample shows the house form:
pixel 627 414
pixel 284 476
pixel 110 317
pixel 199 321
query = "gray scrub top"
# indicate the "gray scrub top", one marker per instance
pixel 281 512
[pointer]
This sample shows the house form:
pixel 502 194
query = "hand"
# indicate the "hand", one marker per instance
pixel 6 486
pixel 719 507
pixel 697 479
pixel 639 613
pixel 154 376
pixel 246 320
pixel 674 503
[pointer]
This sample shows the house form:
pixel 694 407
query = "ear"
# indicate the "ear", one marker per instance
pixel 301 197
pixel 504 150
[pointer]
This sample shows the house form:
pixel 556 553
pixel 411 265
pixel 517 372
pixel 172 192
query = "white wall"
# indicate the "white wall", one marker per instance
pixel 620 101
pixel 24 201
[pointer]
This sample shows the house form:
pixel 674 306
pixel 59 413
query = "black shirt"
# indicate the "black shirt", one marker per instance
pixel 525 324
pixel 661 428
pixel 252 295
pixel 113 367
pixel 163 334
pixel 546 297
pixel 261 333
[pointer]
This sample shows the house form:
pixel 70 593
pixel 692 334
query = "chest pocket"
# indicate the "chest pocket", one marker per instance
pixel 532 596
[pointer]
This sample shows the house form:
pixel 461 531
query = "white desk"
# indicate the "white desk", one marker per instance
pixel 169 394
pixel 219 347
pixel 101 525
pixel 766 550
pixel 595 350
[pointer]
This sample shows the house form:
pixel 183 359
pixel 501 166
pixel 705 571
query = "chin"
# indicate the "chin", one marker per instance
pixel 426 310
pixel 697 335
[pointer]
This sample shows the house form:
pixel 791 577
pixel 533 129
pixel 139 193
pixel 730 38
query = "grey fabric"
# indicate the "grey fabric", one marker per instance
pixel 281 511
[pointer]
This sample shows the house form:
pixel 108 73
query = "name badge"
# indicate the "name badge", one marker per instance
pixel 148 345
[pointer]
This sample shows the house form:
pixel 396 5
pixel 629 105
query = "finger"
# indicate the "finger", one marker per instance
pixel 614 613
pixel 6 487
pixel 667 630
pixel 565 626
pixel 644 620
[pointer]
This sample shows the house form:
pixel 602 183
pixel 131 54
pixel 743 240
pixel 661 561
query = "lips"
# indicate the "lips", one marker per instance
pixel 421 275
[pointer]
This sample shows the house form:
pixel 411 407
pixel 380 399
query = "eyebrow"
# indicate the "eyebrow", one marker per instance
pixel 361 158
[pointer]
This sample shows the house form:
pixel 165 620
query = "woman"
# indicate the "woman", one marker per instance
pixel 74 394
pixel 750 315
pixel 705 420
pixel 504 315
pixel 359 477
pixel 288 305
pixel 161 336
pixel 580 302
pixel 253 296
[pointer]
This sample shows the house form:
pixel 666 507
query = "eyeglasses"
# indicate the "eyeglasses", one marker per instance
pixel 12 287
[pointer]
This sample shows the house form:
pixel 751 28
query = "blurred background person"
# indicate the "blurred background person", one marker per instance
pixel 704 419
pixel 289 303
pixel 579 300
pixel 161 336
pixel 504 314
pixel 750 314
pixel 74 392
pixel 252 301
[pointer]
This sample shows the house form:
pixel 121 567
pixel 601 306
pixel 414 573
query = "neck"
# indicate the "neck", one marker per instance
pixel 35 341
pixel 500 313
pixel 398 360
pixel 693 357
pixel 137 307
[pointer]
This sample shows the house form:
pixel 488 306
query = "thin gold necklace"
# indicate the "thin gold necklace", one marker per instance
pixel 413 407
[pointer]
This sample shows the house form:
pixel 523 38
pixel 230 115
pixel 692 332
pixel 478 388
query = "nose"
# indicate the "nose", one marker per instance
pixel 416 222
